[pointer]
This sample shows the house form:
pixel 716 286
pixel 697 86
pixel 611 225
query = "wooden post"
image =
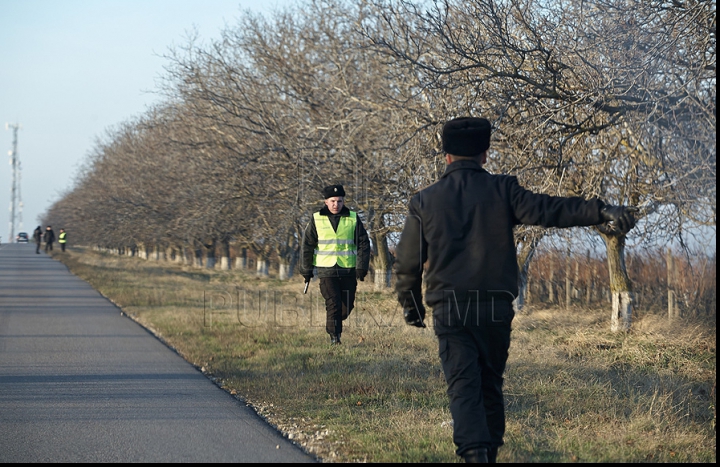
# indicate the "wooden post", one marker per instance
pixel 590 276
pixel 568 284
pixel 673 311
pixel 551 291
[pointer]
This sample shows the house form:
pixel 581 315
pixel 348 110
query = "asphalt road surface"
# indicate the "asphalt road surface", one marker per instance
pixel 80 382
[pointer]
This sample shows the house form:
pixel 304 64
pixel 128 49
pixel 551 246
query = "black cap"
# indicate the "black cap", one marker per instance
pixel 333 190
pixel 466 136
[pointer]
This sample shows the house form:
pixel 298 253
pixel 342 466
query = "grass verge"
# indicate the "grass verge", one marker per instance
pixel 574 391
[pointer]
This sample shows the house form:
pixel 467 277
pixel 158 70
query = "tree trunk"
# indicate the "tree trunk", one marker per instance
pixel 287 258
pixel 225 254
pixel 524 259
pixel 198 256
pixel 262 268
pixel 241 260
pixel 211 253
pixel 287 265
pixel 283 269
pixel 157 253
pixel 620 285
pixel 382 261
pixel 182 256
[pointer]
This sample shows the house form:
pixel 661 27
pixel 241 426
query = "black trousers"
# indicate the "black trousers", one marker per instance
pixel 339 295
pixel 37 247
pixel 48 246
pixel 474 340
pixel 62 246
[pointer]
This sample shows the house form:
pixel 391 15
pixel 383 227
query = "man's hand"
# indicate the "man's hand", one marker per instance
pixel 621 216
pixel 360 274
pixel 308 276
pixel 415 317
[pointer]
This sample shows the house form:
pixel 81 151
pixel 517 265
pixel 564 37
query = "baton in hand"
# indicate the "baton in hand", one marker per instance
pixel 306 287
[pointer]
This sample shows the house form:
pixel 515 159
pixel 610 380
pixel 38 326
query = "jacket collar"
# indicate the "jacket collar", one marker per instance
pixel 462 165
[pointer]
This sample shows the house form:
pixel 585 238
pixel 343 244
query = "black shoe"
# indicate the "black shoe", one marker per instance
pixel 476 456
pixel 492 455
pixel 335 339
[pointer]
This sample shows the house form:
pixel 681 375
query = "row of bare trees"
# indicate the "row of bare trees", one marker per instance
pixel 602 98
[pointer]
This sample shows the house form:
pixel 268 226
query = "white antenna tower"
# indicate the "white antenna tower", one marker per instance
pixel 15 200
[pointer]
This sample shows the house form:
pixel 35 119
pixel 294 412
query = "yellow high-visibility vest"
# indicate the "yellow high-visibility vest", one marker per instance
pixel 61 237
pixel 335 247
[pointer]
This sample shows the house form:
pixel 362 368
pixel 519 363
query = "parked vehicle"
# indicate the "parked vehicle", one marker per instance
pixel 22 237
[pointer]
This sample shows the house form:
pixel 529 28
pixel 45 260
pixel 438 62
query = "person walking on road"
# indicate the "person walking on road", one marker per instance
pixel 461 229
pixel 49 238
pixel 62 239
pixel 336 243
pixel 37 236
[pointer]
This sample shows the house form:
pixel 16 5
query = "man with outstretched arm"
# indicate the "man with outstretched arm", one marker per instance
pixel 461 230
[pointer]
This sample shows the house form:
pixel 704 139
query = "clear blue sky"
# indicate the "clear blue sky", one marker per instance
pixel 71 69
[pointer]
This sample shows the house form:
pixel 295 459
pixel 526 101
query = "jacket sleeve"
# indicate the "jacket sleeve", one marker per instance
pixel 362 242
pixel 309 244
pixel 410 256
pixel 552 211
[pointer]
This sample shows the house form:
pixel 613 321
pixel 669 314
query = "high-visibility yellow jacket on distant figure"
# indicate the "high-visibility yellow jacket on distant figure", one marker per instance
pixel 335 244
pixel 335 247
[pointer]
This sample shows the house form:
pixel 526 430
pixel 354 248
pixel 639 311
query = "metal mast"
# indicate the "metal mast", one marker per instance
pixel 15 203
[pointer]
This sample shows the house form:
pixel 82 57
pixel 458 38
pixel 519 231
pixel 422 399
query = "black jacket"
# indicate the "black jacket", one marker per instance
pixel 49 236
pixel 310 241
pixel 462 225
pixel 38 235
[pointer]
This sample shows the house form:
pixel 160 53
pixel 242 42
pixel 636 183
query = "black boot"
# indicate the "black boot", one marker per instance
pixel 492 455
pixel 476 456
pixel 335 339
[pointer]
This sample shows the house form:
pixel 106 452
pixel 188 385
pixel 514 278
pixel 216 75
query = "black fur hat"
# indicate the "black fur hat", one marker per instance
pixel 466 136
pixel 333 190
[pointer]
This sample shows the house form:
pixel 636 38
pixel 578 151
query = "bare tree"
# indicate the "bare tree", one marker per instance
pixel 576 75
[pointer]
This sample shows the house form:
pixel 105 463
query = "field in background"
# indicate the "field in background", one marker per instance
pixel 574 391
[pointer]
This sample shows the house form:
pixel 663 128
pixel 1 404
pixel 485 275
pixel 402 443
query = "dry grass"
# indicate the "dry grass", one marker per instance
pixel 575 391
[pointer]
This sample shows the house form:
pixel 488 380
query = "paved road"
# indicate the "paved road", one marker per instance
pixel 79 382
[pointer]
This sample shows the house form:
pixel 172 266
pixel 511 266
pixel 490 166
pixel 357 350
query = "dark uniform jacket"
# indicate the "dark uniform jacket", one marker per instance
pixel 462 225
pixel 49 236
pixel 310 241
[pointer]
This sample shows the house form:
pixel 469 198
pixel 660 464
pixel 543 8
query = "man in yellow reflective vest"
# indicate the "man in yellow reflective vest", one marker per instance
pixel 335 243
pixel 62 239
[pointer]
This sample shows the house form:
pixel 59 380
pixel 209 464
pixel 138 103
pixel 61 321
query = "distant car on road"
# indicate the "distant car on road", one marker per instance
pixel 22 237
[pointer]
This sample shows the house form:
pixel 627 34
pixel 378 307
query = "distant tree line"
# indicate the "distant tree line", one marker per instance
pixel 613 99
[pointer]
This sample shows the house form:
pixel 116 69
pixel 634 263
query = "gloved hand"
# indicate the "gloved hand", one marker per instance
pixel 308 276
pixel 360 274
pixel 415 317
pixel 621 216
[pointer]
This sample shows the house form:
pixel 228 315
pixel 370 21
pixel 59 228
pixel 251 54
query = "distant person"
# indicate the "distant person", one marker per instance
pixel 38 236
pixel 49 238
pixel 336 243
pixel 62 239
